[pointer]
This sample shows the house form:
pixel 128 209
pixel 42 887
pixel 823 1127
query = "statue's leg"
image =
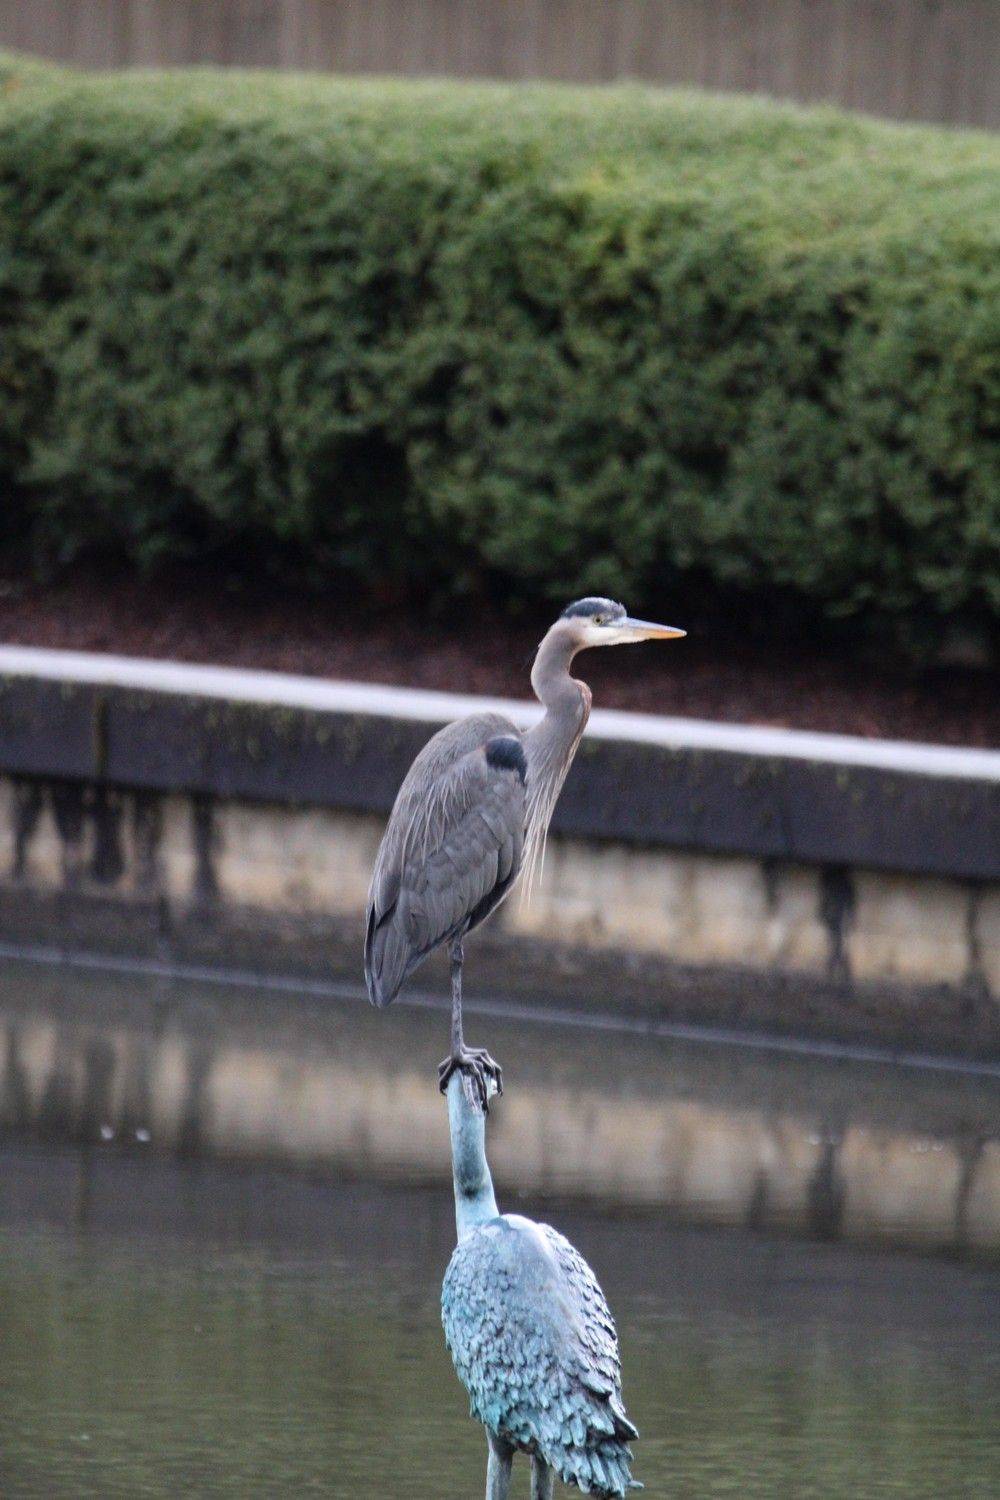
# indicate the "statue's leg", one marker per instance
pixel 542 1479
pixel 498 1469
pixel 476 1062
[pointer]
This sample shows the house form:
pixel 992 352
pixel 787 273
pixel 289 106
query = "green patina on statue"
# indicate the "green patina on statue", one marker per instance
pixel 530 1333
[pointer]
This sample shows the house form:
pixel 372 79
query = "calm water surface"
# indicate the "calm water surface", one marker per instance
pixel 201 1331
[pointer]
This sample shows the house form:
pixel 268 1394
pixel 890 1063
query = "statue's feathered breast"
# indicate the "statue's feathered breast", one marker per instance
pixel 535 1345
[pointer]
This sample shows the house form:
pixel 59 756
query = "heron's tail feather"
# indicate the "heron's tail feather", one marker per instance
pixel 387 958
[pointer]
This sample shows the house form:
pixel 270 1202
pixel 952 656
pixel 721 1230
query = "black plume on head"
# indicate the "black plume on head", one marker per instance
pixel 594 606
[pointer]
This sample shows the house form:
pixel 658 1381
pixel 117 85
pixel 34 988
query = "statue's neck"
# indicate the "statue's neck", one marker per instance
pixel 475 1202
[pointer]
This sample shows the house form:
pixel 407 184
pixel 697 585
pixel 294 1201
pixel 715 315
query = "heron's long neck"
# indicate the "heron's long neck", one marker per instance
pixel 551 745
pixel 475 1201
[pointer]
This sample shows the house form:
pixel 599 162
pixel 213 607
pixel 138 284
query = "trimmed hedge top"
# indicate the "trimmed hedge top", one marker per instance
pixel 578 340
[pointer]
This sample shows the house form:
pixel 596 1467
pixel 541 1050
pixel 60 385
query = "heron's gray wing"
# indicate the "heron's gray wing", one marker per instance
pixel 452 848
pixel 535 1346
pixel 438 756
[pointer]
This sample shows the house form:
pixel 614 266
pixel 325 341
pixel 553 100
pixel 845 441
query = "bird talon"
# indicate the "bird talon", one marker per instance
pixel 478 1065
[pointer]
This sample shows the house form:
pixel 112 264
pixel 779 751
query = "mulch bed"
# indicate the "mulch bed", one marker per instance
pixel 707 676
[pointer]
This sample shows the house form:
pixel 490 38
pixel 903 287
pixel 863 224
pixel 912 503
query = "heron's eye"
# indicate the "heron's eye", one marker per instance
pixel 600 619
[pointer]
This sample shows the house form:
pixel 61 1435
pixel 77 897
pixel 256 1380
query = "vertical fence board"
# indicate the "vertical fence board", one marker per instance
pixel 976 92
pixel 676 37
pixel 46 26
pixel 98 33
pixel 912 59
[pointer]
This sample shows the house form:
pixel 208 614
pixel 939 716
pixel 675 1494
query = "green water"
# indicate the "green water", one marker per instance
pixel 190 1331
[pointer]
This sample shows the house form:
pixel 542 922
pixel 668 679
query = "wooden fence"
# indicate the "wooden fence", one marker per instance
pixel 910 59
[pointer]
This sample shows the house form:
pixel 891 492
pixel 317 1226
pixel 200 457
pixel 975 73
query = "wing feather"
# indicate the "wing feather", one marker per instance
pixel 450 853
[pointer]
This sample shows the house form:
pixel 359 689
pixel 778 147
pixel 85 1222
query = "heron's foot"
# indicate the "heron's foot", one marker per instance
pixel 477 1064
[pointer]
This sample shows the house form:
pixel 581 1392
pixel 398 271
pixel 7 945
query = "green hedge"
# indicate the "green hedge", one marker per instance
pixel 563 339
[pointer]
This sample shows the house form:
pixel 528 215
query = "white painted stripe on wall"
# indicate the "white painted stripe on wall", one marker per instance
pixel 279 688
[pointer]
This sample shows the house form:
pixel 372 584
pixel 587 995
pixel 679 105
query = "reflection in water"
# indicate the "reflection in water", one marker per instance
pixel 243 1333
pixel 721 1133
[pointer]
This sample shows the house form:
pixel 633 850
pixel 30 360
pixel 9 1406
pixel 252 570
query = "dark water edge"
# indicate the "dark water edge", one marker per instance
pixel 176 1328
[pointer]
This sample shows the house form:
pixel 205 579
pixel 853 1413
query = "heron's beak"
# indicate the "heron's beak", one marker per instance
pixel 645 630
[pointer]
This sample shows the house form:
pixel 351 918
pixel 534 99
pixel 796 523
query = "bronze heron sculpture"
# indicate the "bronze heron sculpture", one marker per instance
pixel 472 814
pixel 531 1334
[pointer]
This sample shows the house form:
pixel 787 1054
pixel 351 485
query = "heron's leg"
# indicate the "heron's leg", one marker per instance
pixel 474 1061
pixel 542 1478
pixel 457 957
pixel 498 1469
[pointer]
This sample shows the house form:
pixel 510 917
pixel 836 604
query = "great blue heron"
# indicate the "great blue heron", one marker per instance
pixel 531 1335
pixel 473 809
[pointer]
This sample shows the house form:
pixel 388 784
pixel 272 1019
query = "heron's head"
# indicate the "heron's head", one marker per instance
pixel 602 622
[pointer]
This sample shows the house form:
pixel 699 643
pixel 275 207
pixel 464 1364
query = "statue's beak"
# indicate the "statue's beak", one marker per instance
pixel 645 630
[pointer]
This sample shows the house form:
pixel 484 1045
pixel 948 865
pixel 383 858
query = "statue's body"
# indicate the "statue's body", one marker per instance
pixel 531 1335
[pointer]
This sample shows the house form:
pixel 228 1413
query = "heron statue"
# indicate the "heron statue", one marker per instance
pixel 530 1332
pixel 472 813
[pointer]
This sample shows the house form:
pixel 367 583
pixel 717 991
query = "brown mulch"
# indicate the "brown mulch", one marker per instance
pixel 707 676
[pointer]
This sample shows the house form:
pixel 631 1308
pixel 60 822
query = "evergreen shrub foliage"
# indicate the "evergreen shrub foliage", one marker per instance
pixel 569 340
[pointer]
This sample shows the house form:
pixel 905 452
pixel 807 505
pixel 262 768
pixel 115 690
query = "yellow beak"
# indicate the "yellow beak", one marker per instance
pixel 645 630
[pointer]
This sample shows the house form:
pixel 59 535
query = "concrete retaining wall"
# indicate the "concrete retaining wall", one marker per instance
pixel 810 882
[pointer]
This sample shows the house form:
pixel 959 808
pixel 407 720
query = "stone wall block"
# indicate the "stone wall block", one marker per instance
pixel 694 908
pixel 909 929
pixel 308 860
pixel 39 844
pixel 175 858
pixel 986 935
pixel 8 824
